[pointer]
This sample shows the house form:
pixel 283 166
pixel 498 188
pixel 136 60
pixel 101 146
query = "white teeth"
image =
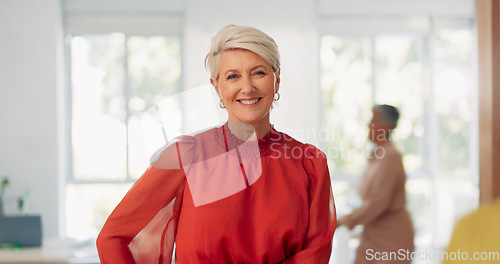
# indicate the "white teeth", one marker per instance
pixel 249 102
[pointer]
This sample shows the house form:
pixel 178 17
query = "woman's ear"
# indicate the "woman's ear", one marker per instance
pixel 215 84
pixel 277 80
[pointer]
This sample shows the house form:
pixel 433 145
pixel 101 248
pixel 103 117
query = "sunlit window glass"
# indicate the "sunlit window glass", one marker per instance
pixel 117 83
pixel 98 113
pixel 400 81
pixel 154 70
pixel 346 72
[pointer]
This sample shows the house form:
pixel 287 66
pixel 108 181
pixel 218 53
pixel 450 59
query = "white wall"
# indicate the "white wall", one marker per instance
pixel 30 56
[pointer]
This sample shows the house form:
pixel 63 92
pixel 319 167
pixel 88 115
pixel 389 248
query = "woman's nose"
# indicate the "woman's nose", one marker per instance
pixel 247 85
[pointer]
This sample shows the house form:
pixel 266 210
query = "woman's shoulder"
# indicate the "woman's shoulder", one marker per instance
pixel 307 156
pixel 300 149
pixel 175 152
pixel 204 134
pixel 191 140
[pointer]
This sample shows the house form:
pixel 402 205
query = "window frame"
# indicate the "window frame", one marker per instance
pixel 70 179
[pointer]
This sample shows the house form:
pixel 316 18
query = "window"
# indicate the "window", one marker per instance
pixel 429 76
pixel 115 80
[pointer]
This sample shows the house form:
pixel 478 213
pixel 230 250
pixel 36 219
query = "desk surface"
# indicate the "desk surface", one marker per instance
pixel 53 252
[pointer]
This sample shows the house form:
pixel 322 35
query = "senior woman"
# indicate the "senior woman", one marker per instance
pixel 234 193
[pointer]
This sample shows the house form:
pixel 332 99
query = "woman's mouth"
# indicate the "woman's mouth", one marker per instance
pixel 249 101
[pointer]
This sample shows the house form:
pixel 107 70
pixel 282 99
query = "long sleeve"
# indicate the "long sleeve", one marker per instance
pixel 130 234
pixel 322 217
pixel 385 174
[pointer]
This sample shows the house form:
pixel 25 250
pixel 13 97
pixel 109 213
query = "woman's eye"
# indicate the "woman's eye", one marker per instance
pixel 232 76
pixel 259 73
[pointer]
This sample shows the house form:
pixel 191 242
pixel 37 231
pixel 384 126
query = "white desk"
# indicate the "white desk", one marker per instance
pixel 52 252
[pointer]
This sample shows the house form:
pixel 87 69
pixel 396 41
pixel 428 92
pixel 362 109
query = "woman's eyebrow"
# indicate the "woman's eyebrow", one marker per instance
pixel 252 69
pixel 230 71
pixel 259 66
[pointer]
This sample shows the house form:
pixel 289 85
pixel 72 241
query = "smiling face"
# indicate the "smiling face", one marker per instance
pixel 246 84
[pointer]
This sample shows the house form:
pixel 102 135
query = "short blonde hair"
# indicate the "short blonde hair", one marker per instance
pixel 241 37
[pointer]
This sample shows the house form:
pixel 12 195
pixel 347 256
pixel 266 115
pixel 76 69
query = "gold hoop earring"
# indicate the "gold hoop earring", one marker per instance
pixel 221 104
pixel 277 98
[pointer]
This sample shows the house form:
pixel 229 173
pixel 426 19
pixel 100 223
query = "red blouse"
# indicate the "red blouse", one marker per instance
pixel 224 200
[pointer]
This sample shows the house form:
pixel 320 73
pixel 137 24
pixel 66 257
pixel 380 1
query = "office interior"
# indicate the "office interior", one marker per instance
pixel 79 77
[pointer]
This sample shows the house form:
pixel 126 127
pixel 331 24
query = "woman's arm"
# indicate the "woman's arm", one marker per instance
pixel 381 192
pixel 317 246
pixel 157 194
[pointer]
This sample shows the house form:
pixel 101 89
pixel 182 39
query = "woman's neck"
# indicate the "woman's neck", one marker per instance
pixel 262 129
pixel 246 132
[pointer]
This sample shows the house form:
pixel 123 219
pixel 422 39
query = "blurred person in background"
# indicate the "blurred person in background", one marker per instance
pixel 388 233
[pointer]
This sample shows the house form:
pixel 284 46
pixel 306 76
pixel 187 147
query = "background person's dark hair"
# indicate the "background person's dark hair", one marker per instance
pixel 390 114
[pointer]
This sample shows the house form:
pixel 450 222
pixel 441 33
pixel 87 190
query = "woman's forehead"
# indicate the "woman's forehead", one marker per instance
pixel 239 58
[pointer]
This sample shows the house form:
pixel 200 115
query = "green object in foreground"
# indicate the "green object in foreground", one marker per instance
pixel 10 246
pixel 5 183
